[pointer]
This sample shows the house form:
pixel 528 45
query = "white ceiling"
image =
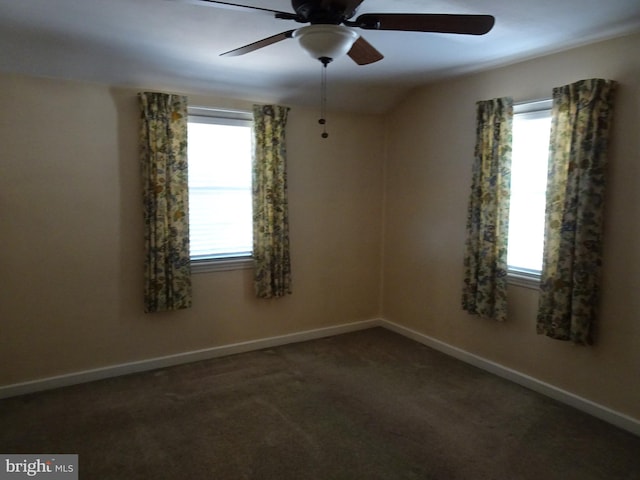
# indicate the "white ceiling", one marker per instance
pixel 175 45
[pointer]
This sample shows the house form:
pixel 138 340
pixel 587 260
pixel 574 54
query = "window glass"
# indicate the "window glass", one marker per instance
pixel 530 152
pixel 220 205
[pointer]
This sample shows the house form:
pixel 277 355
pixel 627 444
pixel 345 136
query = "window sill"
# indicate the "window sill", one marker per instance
pixel 524 279
pixel 221 264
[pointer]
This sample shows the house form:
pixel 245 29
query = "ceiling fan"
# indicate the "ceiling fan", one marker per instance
pixel 331 31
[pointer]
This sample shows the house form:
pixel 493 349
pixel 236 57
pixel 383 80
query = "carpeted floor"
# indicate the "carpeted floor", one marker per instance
pixel 365 405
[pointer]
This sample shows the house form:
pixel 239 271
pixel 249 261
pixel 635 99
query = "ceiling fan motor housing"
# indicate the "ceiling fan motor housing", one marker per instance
pixel 330 12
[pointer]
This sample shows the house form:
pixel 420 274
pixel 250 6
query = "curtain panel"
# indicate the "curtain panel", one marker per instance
pixel 270 205
pixel 163 159
pixel 570 280
pixel 485 259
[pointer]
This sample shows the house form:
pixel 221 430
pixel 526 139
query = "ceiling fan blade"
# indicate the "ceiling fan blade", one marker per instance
pixel 259 44
pixel 426 22
pixel 363 53
pixel 236 6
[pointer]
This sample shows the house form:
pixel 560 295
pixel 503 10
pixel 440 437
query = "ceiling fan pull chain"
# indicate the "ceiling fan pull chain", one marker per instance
pixel 323 97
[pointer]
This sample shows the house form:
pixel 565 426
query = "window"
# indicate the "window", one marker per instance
pixel 220 204
pixel 530 152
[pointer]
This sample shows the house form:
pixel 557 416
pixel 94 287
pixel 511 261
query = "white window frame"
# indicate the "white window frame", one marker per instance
pixel 221 117
pixel 521 276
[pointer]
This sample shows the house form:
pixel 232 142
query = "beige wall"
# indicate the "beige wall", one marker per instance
pixel 431 141
pixel 71 235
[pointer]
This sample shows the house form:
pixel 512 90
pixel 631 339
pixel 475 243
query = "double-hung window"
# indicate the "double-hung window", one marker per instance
pixel 220 203
pixel 530 153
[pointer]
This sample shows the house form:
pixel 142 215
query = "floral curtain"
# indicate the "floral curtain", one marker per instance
pixel 581 117
pixel 163 158
pixel 270 207
pixel 485 260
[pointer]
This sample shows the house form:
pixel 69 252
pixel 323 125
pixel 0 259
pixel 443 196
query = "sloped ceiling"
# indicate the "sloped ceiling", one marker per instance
pixel 175 45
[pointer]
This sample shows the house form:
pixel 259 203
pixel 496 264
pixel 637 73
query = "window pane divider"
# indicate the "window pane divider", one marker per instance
pixel 221 264
pixel 522 278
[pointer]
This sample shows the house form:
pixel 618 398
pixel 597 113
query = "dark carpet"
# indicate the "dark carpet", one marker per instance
pixel 365 405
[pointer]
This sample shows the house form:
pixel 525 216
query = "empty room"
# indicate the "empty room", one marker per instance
pixel 330 239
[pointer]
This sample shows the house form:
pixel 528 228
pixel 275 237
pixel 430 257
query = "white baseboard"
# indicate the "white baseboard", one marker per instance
pixel 615 418
pixel 177 359
pixel 599 411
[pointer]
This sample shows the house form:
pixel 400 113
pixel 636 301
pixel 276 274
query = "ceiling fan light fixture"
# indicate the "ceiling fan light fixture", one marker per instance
pixel 326 41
